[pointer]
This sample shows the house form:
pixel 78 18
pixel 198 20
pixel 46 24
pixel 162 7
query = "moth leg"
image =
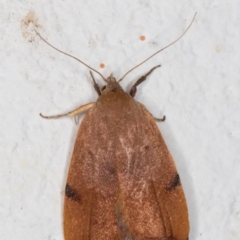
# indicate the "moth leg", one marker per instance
pixel 160 119
pixel 74 113
pixel 95 85
pixel 156 119
pixel 140 80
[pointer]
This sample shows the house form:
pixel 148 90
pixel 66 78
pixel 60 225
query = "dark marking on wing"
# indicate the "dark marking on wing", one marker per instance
pixel 168 238
pixel 146 147
pixel 108 175
pixel 70 193
pixel 174 183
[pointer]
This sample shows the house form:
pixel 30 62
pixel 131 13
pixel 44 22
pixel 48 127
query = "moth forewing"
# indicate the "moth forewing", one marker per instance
pixel 122 181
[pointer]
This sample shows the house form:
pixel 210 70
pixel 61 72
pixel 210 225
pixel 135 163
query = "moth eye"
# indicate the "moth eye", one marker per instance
pixel 103 88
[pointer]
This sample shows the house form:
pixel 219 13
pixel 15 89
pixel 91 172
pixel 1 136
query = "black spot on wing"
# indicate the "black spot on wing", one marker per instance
pixel 73 195
pixel 174 183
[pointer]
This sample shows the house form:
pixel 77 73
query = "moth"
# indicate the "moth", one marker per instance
pixel 122 181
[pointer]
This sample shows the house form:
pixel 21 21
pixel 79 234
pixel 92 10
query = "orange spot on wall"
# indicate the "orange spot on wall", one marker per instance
pixel 218 48
pixel 142 38
pixel 102 65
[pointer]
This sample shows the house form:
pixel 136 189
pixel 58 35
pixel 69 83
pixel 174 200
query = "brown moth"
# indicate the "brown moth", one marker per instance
pixel 122 182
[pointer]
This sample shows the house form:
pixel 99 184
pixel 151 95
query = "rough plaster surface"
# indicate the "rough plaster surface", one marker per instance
pixel 197 88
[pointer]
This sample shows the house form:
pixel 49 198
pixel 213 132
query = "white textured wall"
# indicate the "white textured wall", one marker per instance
pixel 197 88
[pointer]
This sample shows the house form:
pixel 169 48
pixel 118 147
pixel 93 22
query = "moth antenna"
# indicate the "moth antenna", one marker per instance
pixel 159 50
pixel 69 55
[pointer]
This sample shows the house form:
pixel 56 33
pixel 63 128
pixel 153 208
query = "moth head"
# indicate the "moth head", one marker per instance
pixel 111 86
